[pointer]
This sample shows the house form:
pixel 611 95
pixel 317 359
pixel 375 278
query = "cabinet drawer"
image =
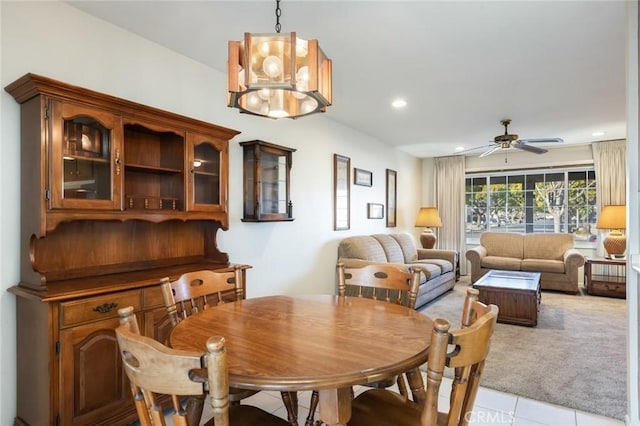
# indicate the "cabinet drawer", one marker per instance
pixel 97 308
pixel 152 297
pixel 610 289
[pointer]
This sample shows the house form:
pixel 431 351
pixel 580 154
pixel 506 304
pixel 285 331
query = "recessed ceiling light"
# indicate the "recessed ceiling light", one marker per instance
pixel 399 103
pixel 600 133
pixel 460 148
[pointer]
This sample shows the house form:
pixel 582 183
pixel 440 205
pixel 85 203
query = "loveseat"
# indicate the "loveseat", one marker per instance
pixel 438 266
pixel 551 254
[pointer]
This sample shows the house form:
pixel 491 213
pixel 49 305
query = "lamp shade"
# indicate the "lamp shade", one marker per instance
pixel 612 217
pixel 429 217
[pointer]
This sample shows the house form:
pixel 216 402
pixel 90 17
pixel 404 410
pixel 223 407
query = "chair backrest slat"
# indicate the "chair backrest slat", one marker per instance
pixel 195 291
pixel 380 281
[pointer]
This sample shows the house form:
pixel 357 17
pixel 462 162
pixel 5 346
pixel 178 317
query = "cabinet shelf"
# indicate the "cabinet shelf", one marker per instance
pixel 609 278
pixel 76 156
pixel 143 168
pixel 213 174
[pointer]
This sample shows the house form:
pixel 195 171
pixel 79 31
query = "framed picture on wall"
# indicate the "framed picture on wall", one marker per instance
pixel 391 197
pixel 362 177
pixel 341 192
pixel 375 211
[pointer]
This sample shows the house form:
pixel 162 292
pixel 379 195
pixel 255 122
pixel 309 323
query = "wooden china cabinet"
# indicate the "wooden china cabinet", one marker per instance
pixel 115 196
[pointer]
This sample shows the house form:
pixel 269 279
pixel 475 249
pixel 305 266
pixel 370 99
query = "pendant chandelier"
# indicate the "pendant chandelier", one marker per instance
pixel 278 75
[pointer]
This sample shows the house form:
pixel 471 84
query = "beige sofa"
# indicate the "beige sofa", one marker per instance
pixel 551 254
pixel 438 266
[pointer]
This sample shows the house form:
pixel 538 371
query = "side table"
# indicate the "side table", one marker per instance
pixel 608 278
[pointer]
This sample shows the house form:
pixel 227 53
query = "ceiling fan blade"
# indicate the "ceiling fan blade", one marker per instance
pixel 543 140
pixel 490 151
pixel 529 148
pixel 464 151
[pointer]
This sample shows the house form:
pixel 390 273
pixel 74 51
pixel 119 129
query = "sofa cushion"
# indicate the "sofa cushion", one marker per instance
pixel 543 265
pixel 499 262
pixel 362 247
pixel 444 265
pixel 547 246
pixel 391 248
pixel 408 246
pixel 503 244
pixel 430 271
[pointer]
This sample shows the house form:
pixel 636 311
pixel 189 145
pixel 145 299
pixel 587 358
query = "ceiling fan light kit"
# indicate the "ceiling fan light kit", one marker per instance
pixel 508 141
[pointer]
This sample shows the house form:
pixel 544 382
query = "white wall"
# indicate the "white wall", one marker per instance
pixel 633 213
pixel 58 41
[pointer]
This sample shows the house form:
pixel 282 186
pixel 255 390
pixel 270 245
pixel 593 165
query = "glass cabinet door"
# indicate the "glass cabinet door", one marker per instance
pixel 273 185
pixel 85 145
pixel 208 184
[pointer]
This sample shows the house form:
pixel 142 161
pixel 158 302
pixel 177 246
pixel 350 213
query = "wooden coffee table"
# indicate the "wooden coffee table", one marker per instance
pixel 516 293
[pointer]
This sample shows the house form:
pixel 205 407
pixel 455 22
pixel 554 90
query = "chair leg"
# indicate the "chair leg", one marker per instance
pixel 401 381
pixel 313 404
pixel 195 405
pixel 416 384
pixel 290 400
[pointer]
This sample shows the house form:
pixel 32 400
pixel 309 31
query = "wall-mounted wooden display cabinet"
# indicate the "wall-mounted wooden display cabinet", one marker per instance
pixel 267 182
pixel 115 196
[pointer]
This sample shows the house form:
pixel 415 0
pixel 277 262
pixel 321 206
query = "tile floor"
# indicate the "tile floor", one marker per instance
pixel 491 408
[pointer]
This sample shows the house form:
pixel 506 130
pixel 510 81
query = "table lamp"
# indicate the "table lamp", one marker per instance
pixel 614 218
pixel 428 217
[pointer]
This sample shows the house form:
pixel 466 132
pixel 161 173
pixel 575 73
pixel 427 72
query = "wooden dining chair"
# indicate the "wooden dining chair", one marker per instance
pixel 464 350
pixel 389 283
pixel 154 370
pixel 196 291
pixel 384 282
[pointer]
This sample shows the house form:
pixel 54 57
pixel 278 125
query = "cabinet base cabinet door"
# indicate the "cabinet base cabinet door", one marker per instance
pixel 96 386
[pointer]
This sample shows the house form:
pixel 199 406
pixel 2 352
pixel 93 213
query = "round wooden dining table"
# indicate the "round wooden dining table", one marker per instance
pixel 311 342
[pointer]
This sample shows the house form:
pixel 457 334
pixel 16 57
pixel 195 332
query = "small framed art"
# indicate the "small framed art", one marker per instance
pixel 375 211
pixel 362 177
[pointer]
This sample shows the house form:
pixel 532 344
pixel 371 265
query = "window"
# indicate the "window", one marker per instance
pixel 532 201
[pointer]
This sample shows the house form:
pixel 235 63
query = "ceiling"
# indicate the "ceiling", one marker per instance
pixel 556 68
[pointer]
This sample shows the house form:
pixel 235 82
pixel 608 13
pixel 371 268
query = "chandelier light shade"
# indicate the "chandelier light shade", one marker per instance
pixel 278 75
pixel 614 218
pixel 428 217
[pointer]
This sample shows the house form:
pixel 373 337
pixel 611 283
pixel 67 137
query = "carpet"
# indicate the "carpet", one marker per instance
pixel 575 357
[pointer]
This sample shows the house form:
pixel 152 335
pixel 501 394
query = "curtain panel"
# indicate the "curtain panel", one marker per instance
pixel 610 162
pixel 450 190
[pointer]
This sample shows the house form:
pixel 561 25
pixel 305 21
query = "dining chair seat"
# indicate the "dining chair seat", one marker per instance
pixel 398 409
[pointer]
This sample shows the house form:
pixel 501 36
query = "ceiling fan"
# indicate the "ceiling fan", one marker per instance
pixel 508 141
